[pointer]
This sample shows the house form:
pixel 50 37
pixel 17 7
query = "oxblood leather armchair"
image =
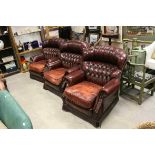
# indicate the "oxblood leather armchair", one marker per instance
pixel 51 50
pixel 92 91
pixel 70 60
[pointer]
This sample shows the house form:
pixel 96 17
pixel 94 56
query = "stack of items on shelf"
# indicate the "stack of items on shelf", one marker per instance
pixel 28 45
pixel 8 63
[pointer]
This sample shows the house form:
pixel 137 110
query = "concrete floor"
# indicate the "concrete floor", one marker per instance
pixel 45 109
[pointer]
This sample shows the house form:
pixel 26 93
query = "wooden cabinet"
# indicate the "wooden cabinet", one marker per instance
pixel 8 59
pixel 27 41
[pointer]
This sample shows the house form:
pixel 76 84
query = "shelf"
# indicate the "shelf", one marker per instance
pixel 28 51
pixel 11 73
pixel 6 62
pixel 3 35
pixel 39 30
pixel 6 48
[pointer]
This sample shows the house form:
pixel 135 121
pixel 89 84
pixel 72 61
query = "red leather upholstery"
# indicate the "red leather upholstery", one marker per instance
pixel 106 54
pixel 70 60
pixel 83 94
pixel 111 86
pixel 75 68
pixel 75 77
pixel 38 66
pixel 98 72
pixel 55 76
pixel 93 90
pixel 51 50
pixel 53 43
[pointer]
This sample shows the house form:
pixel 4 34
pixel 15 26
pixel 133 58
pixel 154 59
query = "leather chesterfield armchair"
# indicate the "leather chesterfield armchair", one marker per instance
pixel 92 91
pixel 51 50
pixel 70 61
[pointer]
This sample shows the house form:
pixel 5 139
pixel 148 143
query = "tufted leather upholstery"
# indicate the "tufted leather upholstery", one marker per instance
pixel 95 86
pixel 50 52
pixel 106 54
pixel 71 53
pixel 102 63
pixel 97 72
pixel 70 60
pixel 53 43
pixel 51 47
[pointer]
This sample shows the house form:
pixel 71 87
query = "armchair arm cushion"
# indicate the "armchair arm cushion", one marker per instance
pixel 75 77
pixel 75 68
pixel 37 58
pixel 111 86
pixel 53 63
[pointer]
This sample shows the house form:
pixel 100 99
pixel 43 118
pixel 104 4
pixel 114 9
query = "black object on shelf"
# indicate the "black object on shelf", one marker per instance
pixel 8 62
pixel 26 45
pixel 65 32
pixel 11 69
pixel 35 44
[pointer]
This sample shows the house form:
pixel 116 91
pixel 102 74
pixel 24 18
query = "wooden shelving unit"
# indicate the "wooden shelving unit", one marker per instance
pixel 1 63
pixel 24 34
pixel 28 51
pixel 10 66
pixel 11 73
pixel 4 49
pixel 39 30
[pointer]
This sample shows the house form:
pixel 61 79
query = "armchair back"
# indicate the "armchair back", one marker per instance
pixel 102 63
pixel 51 47
pixel 72 53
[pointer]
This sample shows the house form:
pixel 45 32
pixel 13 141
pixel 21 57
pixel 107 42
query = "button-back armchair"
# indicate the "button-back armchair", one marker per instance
pixel 70 60
pixel 92 91
pixel 51 50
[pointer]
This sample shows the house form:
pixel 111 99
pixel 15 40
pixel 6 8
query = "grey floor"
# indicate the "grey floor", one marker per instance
pixel 45 109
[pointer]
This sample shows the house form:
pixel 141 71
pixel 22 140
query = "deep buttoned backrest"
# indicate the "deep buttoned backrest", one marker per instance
pixel 51 47
pixel 72 53
pixel 100 62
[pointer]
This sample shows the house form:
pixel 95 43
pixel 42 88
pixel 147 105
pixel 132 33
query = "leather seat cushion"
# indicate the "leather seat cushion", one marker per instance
pixel 83 94
pixel 38 66
pixel 55 76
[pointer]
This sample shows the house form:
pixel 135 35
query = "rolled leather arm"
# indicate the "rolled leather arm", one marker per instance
pixel 75 68
pixel 37 58
pixel 111 86
pixel 75 77
pixel 53 63
pixel 116 74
